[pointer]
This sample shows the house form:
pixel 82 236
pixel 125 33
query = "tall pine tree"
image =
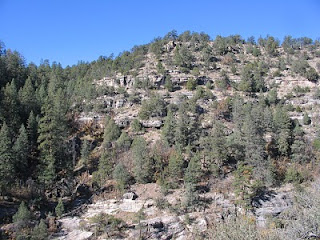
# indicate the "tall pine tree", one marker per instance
pixel 11 106
pixel 28 99
pixel 168 130
pixel 53 132
pixel 6 158
pixel 21 150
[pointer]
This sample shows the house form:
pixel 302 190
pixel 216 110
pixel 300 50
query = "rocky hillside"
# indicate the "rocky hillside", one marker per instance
pixel 182 138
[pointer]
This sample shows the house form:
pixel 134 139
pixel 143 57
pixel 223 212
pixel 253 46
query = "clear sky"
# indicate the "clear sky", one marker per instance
pixel 67 31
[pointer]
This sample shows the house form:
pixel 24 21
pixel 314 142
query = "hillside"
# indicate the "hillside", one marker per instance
pixel 182 138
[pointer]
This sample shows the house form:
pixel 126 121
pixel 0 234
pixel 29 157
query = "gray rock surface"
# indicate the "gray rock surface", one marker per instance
pixel 152 123
pixel 271 204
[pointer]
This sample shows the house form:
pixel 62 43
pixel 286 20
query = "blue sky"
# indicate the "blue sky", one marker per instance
pixel 67 31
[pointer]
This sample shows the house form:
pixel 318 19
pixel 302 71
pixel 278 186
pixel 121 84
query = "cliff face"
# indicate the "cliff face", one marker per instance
pixel 223 72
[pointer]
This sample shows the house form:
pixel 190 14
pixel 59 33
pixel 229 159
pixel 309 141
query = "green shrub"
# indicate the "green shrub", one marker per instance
pixel 312 75
pixel 293 175
pixel 162 203
pixel 105 223
pixel 136 125
pixel 59 210
pixel 191 84
pixel 306 119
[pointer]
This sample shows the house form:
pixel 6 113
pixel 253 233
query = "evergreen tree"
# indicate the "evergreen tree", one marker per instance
pixel 282 125
pixel 242 184
pixel 85 152
pixel 121 175
pixel 32 130
pixel 254 146
pixel 53 132
pixel 124 141
pixel 6 158
pixel 27 99
pixel 219 147
pixel 193 129
pixel 105 166
pixel 40 232
pixel 192 177
pixel 111 133
pixel 168 130
pixel 136 125
pixel 175 166
pixel 191 195
pixel 59 210
pixel 168 83
pixel 223 82
pixel 11 106
pixel 193 172
pixel 21 150
pixel 22 216
pixel 181 129
pixel 267 119
pixel 299 152
pixel 143 168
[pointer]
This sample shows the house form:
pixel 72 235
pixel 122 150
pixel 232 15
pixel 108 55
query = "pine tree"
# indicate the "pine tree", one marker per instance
pixel 111 133
pixel 175 166
pixel 299 152
pixel 181 129
pixel 27 98
pixel 21 150
pixel 282 125
pixel 59 210
pixel 136 125
pixel 191 195
pixel 254 147
pixel 40 232
pixel 242 184
pixel 53 132
pixel 219 153
pixel 192 177
pixel 105 166
pixel 122 176
pixel 143 168
pixel 11 106
pixel 193 172
pixel 168 83
pixel 22 216
pixel 32 130
pixel 168 130
pixel 85 152
pixel 124 141
pixel 193 130
pixel 6 158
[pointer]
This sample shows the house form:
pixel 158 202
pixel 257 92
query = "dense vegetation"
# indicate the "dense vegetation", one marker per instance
pixel 251 135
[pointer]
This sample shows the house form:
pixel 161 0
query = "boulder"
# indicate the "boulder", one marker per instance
pixel 130 196
pixel 152 123
pixel 122 121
